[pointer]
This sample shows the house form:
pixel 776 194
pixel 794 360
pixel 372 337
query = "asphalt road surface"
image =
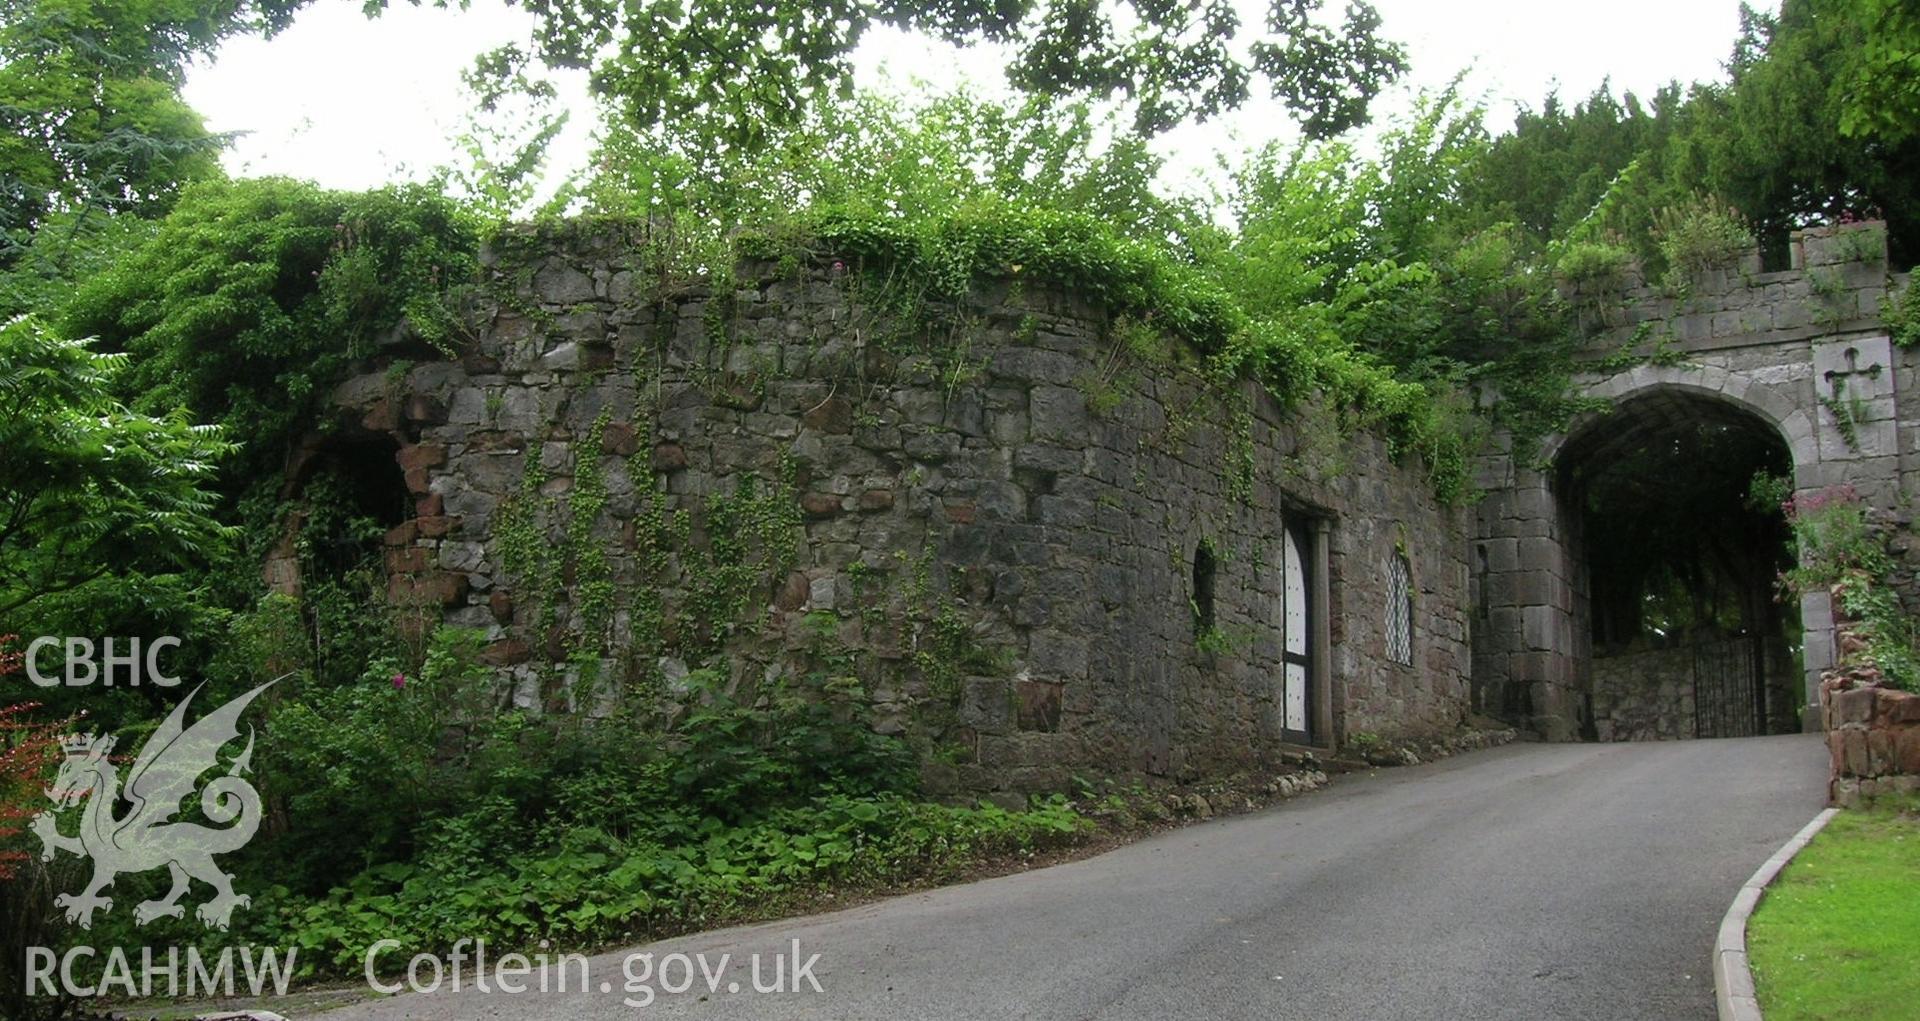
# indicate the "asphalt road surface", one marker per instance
pixel 1533 882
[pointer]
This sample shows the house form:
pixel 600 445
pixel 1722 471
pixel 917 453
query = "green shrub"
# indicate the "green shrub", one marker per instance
pixel 252 297
pixel 1594 266
pixel 1700 234
pixel 583 885
pixel 361 767
pixel 732 758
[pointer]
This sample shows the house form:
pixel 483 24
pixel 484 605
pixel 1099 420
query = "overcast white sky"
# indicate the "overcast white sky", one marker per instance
pixel 352 103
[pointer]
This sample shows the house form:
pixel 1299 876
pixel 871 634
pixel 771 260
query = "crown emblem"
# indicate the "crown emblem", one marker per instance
pixel 83 744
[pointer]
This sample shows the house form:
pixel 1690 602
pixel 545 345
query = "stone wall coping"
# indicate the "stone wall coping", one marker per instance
pixel 1733 991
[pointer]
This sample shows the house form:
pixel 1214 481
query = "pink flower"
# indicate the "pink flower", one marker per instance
pixel 399 681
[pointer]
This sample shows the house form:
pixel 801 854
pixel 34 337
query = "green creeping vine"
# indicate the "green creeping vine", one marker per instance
pixel 593 587
pixel 751 534
pixel 1901 314
pixel 1844 548
pixel 944 647
pixel 1241 461
pixel 717 318
pixel 747 536
pixel 520 536
pixel 1848 411
pixel 940 260
pixel 577 616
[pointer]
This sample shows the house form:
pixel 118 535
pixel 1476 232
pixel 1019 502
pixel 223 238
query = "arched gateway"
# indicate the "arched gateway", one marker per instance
pixel 1623 576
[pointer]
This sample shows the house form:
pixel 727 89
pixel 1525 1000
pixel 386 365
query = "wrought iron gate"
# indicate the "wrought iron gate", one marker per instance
pixel 1729 689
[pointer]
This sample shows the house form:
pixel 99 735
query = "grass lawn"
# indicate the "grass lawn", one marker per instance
pixel 1838 934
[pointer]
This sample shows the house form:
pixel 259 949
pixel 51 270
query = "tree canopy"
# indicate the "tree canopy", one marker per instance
pixel 749 68
pixel 88 487
pixel 1784 141
pixel 1881 84
pixel 90 109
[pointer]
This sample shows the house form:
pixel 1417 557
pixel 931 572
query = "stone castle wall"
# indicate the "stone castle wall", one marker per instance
pixel 989 517
pixel 1644 694
pixel 1837 283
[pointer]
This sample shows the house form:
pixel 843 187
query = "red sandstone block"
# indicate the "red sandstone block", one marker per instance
pixel 1906 747
pixel 506 652
pixel 820 505
pixel 490 442
pixel 383 417
pixel 1854 705
pixel 421 455
pixel 424 409
pixel 435 527
pixel 1881 758
pixel 833 415
pixel 403 534
pixel 406 560
pixel 669 457
pixel 443 587
pixel 1854 753
pixel 792 594
pixel 961 513
pixel 1898 706
pixel 619 440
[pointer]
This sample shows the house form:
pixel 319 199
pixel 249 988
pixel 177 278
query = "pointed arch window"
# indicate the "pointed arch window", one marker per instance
pixel 1400 609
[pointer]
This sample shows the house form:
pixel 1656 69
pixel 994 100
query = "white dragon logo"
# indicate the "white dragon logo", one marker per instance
pixel 165 773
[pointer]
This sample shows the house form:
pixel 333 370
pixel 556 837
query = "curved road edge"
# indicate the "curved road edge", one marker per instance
pixel 1732 978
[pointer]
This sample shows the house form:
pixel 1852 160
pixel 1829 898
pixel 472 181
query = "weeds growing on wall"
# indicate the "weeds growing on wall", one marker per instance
pixel 1901 314
pixel 1698 235
pixel 1844 548
pixel 1597 269
pixel 1142 285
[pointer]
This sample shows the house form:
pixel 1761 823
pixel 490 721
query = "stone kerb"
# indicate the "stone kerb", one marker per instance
pixel 1734 995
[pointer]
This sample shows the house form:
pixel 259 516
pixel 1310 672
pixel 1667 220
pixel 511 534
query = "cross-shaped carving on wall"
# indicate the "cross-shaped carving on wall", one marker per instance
pixel 1837 378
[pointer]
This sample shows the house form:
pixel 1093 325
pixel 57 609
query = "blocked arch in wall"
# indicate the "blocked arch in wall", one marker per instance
pixel 375 480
